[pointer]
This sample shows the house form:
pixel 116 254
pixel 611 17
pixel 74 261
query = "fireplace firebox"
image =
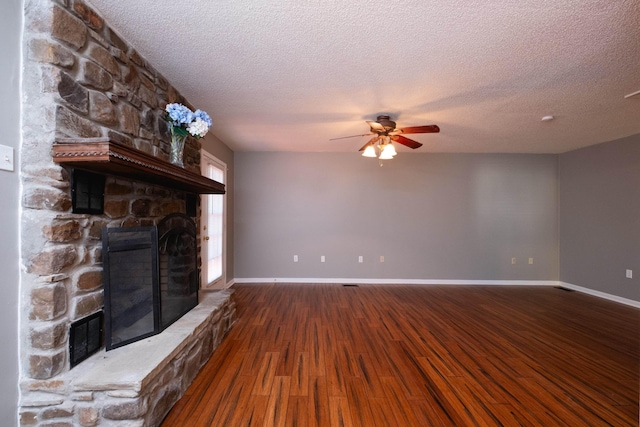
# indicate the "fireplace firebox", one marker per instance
pixel 151 278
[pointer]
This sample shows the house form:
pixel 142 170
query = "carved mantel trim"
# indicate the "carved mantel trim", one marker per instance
pixel 102 155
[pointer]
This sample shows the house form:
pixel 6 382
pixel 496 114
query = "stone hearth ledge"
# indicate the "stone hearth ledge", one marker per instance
pixel 131 368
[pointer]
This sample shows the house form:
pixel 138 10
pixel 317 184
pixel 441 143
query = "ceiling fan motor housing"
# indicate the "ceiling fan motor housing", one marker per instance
pixel 386 122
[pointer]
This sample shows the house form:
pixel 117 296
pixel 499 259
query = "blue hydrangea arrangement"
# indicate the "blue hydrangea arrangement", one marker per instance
pixel 183 121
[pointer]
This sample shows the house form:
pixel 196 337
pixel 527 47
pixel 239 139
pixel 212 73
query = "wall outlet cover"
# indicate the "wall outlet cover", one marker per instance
pixel 6 158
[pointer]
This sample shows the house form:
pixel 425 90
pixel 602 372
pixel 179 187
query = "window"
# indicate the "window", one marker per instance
pixel 213 225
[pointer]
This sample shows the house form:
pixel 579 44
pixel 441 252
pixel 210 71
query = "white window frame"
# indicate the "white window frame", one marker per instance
pixel 220 282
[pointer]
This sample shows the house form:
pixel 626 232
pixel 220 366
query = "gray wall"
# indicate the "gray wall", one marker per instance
pixel 10 33
pixel 219 150
pixel 432 216
pixel 599 203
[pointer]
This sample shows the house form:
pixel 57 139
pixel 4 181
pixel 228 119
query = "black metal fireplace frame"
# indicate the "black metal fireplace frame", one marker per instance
pixel 108 288
pixel 153 266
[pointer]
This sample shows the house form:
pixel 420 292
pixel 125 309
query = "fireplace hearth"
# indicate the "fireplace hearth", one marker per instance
pixel 151 278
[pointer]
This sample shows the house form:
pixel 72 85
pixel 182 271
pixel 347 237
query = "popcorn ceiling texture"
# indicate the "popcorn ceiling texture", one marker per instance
pixel 290 75
pixel 83 80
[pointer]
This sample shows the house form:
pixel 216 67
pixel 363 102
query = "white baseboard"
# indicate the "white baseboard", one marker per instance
pixel 599 294
pixel 398 281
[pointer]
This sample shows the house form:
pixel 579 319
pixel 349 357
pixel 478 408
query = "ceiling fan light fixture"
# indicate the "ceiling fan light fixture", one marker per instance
pixel 392 149
pixel 370 151
pixel 387 152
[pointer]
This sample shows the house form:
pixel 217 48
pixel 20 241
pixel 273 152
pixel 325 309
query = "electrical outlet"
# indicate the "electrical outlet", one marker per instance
pixel 360 259
pixel 321 258
pixel 513 260
pixel 629 274
pixel 295 258
pixel 381 258
pixel 530 260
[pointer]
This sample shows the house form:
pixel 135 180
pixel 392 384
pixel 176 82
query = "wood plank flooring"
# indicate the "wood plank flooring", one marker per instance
pixel 397 355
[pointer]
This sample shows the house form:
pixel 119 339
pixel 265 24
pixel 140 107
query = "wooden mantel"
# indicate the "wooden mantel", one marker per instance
pixel 102 155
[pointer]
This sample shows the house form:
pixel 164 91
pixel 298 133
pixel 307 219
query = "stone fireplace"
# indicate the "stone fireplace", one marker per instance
pixel 82 81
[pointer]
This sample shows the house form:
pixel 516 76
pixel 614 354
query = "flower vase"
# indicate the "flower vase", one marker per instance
pixel 177 147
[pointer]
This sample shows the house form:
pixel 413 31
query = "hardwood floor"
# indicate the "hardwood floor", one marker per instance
pixel 397 355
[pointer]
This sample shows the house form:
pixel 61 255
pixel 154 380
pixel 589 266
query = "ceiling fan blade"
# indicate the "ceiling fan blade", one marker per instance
pixel 419 129
pixel 375 126
pixel 406 141
pixel 352 136
pixel 369 142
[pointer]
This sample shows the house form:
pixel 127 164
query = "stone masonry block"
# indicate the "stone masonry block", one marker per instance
pixel 129 119
pixel 132 78
pixel 28 418
pixel 87 304
pixel 49 78
pixel 141 207
pixel 89 280
pixel 95 76
pixel 59 424
pixel 63 411
pixel 53 260
pixel 43 366
pixel 46 198
pixel 94 36
pixel 162 83
pixel 62 231
pixel 116 208
pixel 104 58
pixel 119 90
pixel 136 58
pixel 147 82
pixel 46 51
pixel 68 28
pixel 120 138
pixel 95 229
pixel 134 100
pixel 163 404
pixel 149 136
pixel 73 93
pixel 101 108
pixel 92 19
pixel 69 123
pixel 170 207
pixel 117 41
pixel 118 188
pixel 128 410
pixel 88 417
pixel 148 119
pixel 148 96
pixel 53 175
pixel 48 302
pixel 50 336
pixel 143 145
pixel 96 255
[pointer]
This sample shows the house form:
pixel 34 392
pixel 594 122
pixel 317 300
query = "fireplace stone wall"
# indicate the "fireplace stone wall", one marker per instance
pixel 80 79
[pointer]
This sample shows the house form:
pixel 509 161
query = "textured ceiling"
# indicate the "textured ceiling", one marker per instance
pixel 290 75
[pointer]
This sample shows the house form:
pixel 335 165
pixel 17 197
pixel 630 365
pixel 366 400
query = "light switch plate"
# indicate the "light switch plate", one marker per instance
pixel 6 158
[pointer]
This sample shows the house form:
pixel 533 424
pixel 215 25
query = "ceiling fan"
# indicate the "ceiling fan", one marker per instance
pixel 385 132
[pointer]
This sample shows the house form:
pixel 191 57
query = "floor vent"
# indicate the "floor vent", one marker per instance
pixel 564 289
pixel 350 285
